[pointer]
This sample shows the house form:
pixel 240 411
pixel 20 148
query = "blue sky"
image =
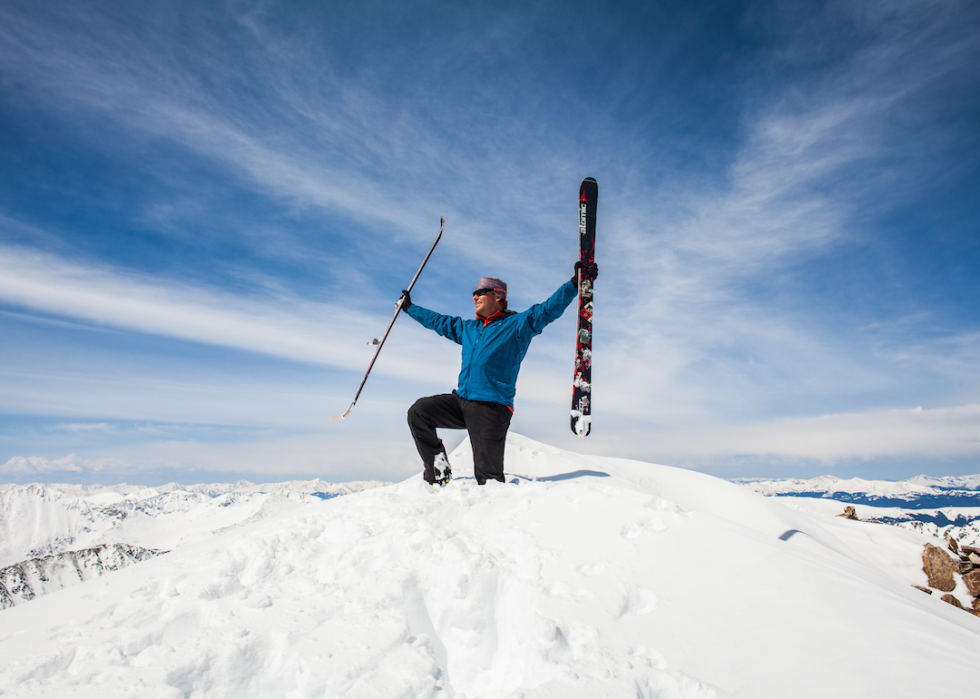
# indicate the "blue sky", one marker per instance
pixel 207 210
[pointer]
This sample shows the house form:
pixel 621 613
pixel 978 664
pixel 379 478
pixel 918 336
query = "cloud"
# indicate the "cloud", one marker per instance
pixel 351 147
pixel 697 336
pixel 36 465
pixel 330 456
pixel 284 326
pixel 933 434
pixel 938 433
pixel 717 327
pixel 82 427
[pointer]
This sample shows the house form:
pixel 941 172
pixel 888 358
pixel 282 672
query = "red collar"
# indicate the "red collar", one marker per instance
pixel 496 316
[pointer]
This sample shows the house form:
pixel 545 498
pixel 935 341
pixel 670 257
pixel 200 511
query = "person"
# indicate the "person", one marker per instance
pixel 494 344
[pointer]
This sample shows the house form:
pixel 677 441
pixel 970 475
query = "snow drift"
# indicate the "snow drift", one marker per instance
pixel 579 577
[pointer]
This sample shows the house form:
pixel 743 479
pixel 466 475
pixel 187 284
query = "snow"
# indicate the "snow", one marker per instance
pixel 948 482
pixel 579 577
pixel 41 520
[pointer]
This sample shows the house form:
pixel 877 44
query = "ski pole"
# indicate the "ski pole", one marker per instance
pixel 398 309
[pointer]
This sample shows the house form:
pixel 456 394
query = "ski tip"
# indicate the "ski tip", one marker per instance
pixel 344 416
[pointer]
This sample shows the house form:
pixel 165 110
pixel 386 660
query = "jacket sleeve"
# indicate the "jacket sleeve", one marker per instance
pixel 541 314
pixel 448 326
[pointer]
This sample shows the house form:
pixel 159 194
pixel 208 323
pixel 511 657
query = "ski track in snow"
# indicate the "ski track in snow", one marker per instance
pixel 580 577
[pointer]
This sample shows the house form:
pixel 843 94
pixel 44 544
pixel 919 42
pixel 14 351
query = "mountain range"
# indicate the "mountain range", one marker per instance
pixel 941 507
pixel 53 536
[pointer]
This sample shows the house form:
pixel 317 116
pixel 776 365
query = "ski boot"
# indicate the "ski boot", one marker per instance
pixel 440 467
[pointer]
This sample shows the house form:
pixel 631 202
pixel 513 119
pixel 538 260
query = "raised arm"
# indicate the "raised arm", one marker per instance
pixel 541 314
pixel 450 327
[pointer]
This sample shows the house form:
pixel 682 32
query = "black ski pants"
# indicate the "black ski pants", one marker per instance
pixel 487 424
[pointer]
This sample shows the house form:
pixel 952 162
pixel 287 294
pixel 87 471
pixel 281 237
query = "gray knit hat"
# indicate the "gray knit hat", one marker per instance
pixel 495 285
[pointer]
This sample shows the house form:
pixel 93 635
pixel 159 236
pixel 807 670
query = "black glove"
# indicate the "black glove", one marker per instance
pixel 591 270
pixel 407 302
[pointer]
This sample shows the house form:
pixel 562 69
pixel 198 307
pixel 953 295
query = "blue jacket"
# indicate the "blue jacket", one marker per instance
pixel 493 351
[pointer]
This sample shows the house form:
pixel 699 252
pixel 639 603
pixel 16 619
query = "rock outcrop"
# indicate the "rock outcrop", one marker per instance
pixel 972 580
pixel 949 599
pixel 939 568
pixel 945 572
pixel 849 513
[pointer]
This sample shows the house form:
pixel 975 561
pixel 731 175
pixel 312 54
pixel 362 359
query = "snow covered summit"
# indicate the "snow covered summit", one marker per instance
pixel 579 577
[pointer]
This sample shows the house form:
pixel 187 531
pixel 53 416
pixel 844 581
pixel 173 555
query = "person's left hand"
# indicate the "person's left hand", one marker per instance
pixel 591 270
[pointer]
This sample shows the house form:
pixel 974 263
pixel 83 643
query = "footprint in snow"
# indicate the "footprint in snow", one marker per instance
pixel 650 524
pixel 592 569
pixel 638 601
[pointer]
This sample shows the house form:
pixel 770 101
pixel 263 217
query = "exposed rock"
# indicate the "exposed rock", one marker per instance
pixel 967 550
pixel 952 600
pixel 940 568
pixel 924 589
pixel 953 546
pixel 849 512
pixel 974 558
pixel 976 606
pixel 23 582
pixel 972 580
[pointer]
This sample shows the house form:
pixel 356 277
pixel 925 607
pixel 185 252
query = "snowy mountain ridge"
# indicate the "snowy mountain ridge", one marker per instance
pixel 313 487
pixel 920 491
pixel 580 577
pixel 39 520
pixel 28 580
pixel 937 506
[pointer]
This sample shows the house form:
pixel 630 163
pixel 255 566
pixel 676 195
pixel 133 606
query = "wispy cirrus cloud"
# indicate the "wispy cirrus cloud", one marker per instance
pixel 712 262
pixel 329 336
pixel 290 328
pixel 701 322
pixel 82 427
pixel 291 123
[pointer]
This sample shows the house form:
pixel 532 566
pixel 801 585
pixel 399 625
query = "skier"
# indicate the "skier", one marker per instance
pixel 494 344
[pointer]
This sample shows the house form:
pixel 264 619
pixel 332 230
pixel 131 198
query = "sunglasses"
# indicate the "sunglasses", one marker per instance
pixel 482 292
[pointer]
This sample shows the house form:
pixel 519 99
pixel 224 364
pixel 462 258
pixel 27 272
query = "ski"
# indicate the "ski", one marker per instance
pixel 398 309
pixel 581 421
